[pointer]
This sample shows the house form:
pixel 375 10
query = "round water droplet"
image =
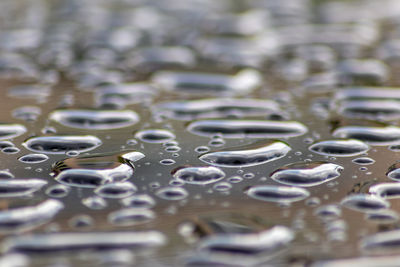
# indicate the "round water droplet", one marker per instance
pixel 277 193
pixel 33 158
pixel 61 144
pixel 58 191
pixel 154 136
pixel 340 148
pixel 116 190
pixel 172 193
pixel 365 203
pixel 307 174
pixel 198 175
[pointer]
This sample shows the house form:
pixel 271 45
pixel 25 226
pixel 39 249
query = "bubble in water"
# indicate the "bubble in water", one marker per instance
pixel 20 219
pixel 274 193
pixel 198 175
pixel 33 158
pixel 365 203
pixel 95 202
pixel 378 136
pixel 138 201
pixel 340 148
pixel 247 128
pixel 172 193
pixel 363 161
pixel 8 131
pixel 95 119
pixel 116 190
pixel 61 144
pixel 247 156
pixel 307 174
pixel 386 190
pixel 63 242
pixel 130 216
pixel 155 136
pixel 58 191
pixel 20 187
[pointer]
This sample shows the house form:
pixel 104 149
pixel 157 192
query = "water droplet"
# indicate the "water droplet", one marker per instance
pixel 380 242
pixel 247 128
pixel 307 174
pixel 363 161
pixel 8 131
pixel 21 187
pixel 24 218
pixel 154 136
pixel 61 144
pixel 95 119
pixel 172 193
pixel 33 158
pixel 386 190
pixel 202 149
pixel 138 201
pixel 42 242
pixel 95 202
pixel 167 161
pixel 96 169
pixel 198 175
pixel 10 150
pixel 27 113
pixel 394 172
pixel 383 217
pixel 130 216
pixel 116 190
pixel 58 191
pixel 340 148
pixel 364 203
pixel 222 187
pixel 247 156
pixel 328 211
pixel 248 243
pixel 378 136
pixel 277 193
pixel 215 108
pixel 81 221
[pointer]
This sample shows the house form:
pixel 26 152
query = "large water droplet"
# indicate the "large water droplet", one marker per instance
pixel 379 136
pixel 386 190
pixel 8 131
pixel 307 174
pixel 78 241
pixel 247 156
pixel 365 203
pixel 340 148
pixel 215 108
pixel 380 242
pixel 24 218
pixel 277 193
pixel 95 119
pixel 247 128
pixel 21 187
pixel 62 144
pixel 198 175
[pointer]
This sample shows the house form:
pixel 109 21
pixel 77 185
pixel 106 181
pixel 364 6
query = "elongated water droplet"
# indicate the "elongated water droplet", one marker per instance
pixel 154 136
pixel 130 216
pixel 20 187
pixel 277 193
pixel 8 131
pixel 198 175
pixel 33 158
pixel 340 148
pixel 365 203
pixel 247 156
pixel 116 190
pixel 172 193
pixel 307 174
